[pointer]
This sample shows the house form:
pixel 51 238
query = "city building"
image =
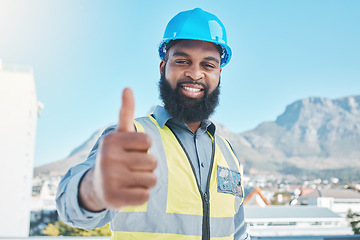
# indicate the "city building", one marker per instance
pixel 44 193
pixel 338 200
pixel 19 109
pixel 294 221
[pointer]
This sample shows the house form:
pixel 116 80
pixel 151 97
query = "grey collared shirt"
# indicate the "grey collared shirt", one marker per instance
pixel 198 146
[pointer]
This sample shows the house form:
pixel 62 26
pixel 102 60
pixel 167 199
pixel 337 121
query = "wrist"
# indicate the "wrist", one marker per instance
pixel 87 195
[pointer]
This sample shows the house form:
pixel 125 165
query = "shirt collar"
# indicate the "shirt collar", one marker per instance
pixel 162 116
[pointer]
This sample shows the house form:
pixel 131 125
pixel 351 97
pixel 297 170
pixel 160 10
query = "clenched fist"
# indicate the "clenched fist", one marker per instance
pixel 123 173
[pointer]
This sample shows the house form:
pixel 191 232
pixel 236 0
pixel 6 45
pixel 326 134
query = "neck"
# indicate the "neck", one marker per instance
pixel 194 126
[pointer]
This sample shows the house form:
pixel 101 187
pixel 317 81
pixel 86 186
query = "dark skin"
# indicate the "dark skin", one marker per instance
pixel 124 170
pixel 198 61
pixel 123 173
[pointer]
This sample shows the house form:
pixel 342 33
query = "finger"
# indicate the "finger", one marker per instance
pixel 142 162
pixel 129 197
pixel 130 161
pixel 137 180
pixel 126 117
pixel 116 181
pixel 115 143
pixel 135 196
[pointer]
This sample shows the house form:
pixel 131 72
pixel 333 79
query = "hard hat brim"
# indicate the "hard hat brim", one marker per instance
pixel 225 58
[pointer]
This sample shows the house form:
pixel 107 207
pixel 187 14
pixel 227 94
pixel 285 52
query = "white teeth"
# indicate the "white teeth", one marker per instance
pixel 192 89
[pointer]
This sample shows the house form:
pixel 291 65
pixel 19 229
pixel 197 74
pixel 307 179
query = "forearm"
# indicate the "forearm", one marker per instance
pixel 69 209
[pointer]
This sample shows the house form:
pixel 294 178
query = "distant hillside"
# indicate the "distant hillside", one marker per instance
pixel 316 133
pixel 77 156
pixel 312 135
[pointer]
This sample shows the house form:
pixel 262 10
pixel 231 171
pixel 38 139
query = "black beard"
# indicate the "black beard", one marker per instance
pixel 185 109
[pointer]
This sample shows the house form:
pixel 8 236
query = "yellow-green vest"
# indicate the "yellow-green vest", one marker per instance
pixel 177 208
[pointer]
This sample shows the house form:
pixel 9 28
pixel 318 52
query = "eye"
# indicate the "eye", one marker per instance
pixel 209 65
pixel 181 61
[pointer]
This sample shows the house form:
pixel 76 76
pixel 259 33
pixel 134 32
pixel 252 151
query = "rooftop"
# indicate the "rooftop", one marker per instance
pixel 335 193
pixel 288 212
pixel 323 237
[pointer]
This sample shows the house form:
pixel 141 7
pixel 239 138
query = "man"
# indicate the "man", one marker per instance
pixel 165 176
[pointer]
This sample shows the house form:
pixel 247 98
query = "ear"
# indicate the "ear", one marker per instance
pixel 220 70
pixel 162 65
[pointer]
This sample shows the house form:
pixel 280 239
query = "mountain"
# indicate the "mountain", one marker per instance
pixel 312 133
pixel 315 133
pixel 77 156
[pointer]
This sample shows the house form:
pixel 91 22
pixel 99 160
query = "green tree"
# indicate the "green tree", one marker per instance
pixel 59 228
pixel 354 219
pixel 51 230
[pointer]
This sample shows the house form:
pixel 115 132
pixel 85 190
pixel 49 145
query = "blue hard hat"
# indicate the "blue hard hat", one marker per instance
pixel 196 24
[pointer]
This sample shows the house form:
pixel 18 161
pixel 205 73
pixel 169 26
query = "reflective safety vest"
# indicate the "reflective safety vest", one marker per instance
pixel 177 208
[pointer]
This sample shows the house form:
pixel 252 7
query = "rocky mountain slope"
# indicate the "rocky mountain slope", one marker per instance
pixel 312 134
pixel 77 156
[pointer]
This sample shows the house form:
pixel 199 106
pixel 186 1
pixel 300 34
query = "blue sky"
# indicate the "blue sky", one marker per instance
pixel 84 53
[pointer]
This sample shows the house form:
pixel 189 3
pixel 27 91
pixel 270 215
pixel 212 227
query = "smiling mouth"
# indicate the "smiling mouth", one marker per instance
pixel 192 89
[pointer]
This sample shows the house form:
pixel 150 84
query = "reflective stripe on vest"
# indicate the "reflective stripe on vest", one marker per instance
pixel 177 208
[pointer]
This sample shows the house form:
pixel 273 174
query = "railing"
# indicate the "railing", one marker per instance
pixel 333 237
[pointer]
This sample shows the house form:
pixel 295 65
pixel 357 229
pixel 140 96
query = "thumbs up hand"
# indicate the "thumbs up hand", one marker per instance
pixel 126 117
pixel 123 173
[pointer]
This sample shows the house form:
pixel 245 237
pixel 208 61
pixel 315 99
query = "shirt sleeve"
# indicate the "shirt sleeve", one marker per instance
pixel 240 225
pixel 67 196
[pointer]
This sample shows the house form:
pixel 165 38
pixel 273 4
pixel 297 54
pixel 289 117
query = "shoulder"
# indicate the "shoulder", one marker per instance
pixel 109 129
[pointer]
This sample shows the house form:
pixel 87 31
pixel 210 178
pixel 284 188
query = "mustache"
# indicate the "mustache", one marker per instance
pixel 185 80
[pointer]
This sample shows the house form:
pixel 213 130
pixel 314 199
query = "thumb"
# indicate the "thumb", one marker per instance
pixel 126 117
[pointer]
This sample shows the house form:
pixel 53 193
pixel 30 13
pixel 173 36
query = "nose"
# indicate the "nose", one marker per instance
pixel 194 72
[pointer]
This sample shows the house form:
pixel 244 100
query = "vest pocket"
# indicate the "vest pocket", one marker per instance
pixel 229 181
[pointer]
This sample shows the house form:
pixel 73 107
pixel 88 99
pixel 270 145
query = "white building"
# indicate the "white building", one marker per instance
pixel 294 221
pixel 19 111
pixel 338 200
pixel 44 199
